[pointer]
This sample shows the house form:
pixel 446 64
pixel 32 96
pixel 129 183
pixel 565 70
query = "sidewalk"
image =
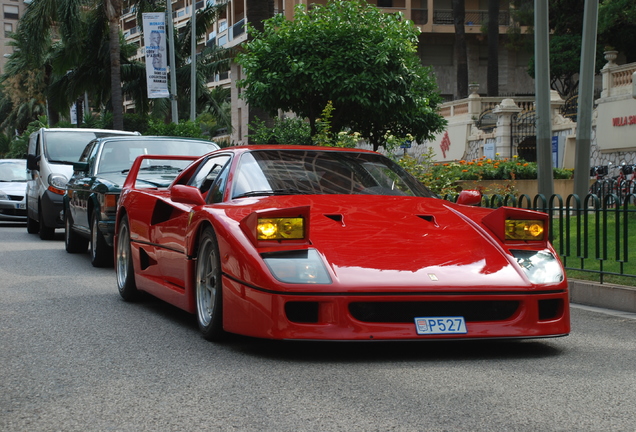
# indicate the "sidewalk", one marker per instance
pixel 609 296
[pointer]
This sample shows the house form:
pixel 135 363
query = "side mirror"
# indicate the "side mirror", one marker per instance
pixel 186 195
pixel 469 197
pixel 32 162
pixel 80 166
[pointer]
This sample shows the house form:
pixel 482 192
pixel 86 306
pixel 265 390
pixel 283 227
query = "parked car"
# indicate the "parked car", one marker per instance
pixel 287 242
pixel 50 157
pixel 13 181
pixel 91 193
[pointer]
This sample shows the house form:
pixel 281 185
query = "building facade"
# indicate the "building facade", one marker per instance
pixel 12 11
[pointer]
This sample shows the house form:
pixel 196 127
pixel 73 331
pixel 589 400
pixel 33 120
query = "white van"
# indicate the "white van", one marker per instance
pixel 50 159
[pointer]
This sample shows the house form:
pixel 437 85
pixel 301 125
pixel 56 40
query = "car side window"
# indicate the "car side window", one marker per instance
pixel 218 187
pixel 208 173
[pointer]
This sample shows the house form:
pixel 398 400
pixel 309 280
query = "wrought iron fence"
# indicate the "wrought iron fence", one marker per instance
pixel 595 235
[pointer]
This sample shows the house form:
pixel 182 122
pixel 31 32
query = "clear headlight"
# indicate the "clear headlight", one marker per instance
pixel 58 181
pixel 540 266
pixel 4 196
pixel 300 267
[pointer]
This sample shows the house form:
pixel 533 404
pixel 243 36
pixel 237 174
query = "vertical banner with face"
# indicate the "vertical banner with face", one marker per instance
pixel 156 58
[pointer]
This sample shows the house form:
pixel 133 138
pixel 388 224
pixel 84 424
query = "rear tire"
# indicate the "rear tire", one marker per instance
pixel 124 268
pixel 208 285
pixel 73 242
pixel 101 253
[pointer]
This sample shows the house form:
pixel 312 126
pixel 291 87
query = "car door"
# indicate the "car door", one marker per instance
pixel 80 186
pixel 169 228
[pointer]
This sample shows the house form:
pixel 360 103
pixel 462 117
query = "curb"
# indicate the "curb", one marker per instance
pixel 609 296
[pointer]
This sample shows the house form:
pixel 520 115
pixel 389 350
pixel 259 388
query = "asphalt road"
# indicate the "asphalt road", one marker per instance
pixel 75 357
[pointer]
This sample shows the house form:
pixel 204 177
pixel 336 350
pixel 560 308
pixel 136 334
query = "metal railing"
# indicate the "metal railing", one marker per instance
pixel 590 235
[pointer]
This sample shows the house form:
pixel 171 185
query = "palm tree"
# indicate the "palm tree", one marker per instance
pixel 113 9
pixel 41 19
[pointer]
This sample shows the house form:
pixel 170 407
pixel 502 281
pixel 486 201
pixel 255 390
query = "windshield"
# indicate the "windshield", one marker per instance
pixel 67 147
pixel 119 155
pixel 13 171
pixel 273 172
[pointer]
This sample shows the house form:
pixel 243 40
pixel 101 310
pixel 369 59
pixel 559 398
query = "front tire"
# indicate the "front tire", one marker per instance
pixel 46 232
pixel 101 253
pixel 73 242
pixel 124 265
pixel 209 288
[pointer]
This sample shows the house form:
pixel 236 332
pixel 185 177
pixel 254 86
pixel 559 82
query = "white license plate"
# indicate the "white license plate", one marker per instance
pixel 440 325
pixel 20 206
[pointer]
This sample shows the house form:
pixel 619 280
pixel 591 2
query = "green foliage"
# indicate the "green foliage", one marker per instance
pixel 350 53
pixel 325 136
pixel 287 130
pixel 565 62
pixel 184 129
pixel 617 26
pixel 19 145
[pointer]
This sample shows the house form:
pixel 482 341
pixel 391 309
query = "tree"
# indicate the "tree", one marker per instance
pixel 617 26
pixel 113 9
pixel 350 53
pixel 459 18
pixel 493 48
pixel 566 25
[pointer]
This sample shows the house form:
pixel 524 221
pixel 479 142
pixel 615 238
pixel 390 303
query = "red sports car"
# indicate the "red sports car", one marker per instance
pixel 289 242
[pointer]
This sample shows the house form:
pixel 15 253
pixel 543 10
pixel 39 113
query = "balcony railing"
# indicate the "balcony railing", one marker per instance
pixel 445 16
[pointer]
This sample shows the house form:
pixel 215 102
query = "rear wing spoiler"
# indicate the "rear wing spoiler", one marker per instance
pixel 131 179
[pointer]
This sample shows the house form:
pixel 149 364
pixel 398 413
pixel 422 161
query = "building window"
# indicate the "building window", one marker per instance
pixel 8 29
pixel 11 12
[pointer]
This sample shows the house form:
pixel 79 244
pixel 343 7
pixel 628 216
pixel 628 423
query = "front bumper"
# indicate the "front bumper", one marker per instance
pixel 12 210
pixel 391 316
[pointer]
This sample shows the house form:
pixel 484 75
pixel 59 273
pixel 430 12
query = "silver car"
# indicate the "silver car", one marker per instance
pixel 13 181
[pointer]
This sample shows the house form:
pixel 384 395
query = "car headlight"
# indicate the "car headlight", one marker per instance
pixel 280 228
pixel 523 229
pixel 539 266
pixel 3 196
pixel 300 267
pixel 57 183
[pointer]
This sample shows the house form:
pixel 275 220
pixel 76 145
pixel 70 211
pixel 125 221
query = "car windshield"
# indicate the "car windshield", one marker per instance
pixel 290 172
pixel 67 147
pixel 118 156
pixel 13 171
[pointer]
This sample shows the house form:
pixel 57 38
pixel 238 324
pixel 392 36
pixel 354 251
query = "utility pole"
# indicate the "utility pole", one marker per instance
pixel 586 100
pixel 173 68
pixel 193 65
pixel 542 90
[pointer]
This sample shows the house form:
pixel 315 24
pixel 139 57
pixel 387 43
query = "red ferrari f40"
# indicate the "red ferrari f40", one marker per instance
pixel 291 242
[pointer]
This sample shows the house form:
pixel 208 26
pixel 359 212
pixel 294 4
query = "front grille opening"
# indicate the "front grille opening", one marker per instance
pixel 406 312
pixel 550 309
pixel 302 312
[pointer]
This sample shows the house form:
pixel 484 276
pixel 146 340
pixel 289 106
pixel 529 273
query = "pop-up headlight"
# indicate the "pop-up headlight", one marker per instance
pixel 298 267
pixel 280 228
pixel 523 229
pixel 539 266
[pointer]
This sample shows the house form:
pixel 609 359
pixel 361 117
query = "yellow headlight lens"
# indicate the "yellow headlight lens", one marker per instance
pixel 280 228
pixel 524 229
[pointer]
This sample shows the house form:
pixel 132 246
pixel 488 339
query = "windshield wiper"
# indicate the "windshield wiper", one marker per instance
pixel 160 168
pixel 288 191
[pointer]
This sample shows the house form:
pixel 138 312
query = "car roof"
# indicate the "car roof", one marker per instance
pixel 244 148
